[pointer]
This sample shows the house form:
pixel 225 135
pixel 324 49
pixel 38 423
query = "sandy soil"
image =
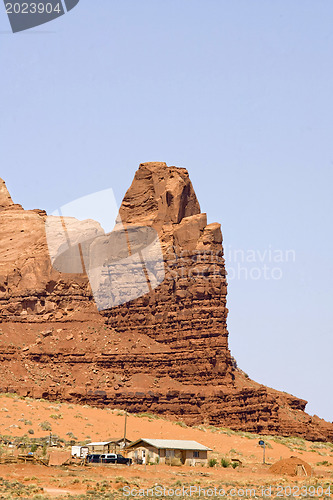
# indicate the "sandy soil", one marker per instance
pixel 18 415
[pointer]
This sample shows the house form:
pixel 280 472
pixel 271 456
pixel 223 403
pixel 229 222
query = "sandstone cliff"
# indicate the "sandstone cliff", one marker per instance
pixel 165 352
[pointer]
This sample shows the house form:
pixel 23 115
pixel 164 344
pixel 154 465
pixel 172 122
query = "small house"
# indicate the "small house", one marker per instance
pixel 113 445
pixel 168 451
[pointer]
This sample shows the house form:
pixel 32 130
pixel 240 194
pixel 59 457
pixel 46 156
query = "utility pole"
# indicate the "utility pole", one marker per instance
pixel 125 428
pixel 262 443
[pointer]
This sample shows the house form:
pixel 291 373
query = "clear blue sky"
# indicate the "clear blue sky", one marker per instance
pixel 240 93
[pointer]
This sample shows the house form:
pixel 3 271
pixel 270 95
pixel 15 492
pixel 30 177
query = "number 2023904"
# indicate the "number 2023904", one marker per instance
pixel 33 8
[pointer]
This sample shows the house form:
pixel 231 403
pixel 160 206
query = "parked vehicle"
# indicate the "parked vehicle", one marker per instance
pixel 93 458
pixel 123 460
pixel 108 458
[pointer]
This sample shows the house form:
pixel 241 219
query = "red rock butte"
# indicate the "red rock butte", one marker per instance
pixel 165 352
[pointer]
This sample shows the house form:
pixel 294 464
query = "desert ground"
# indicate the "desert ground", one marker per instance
pixel 27 420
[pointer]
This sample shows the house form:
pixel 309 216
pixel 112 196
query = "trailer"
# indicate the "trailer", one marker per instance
pixel 80 451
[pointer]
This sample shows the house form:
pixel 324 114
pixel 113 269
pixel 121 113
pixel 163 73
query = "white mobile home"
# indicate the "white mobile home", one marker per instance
pixel 80 451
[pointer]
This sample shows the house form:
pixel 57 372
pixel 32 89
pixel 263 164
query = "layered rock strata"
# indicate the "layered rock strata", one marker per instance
pixel 165 352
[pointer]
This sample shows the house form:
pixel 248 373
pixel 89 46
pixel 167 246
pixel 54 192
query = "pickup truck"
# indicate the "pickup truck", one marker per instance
pixel 108 458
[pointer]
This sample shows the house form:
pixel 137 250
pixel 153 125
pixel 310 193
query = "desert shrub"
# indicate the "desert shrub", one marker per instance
pixel 234 465
pixel 56 416
pixel 212 462
pixel 31 431
pixel 181 424
pixel 150 416
pixel 173 461
pixel 46 426
pixel 176 461
pixel 292 442
pixel 225 462
pixel 25 421
pixel 212 428
pixel 71 435
pixel 16 489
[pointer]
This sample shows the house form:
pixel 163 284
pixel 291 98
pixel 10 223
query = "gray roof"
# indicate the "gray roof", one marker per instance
pixel 104 443
pixel 101 443
pixel 174 444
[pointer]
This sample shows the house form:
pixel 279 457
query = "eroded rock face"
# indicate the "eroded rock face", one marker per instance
pixel 159 195
pixel 5 198
pixel 165 352
pixel 6 201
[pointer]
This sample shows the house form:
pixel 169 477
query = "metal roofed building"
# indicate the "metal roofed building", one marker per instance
pixel 169 451
pixel 113 445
